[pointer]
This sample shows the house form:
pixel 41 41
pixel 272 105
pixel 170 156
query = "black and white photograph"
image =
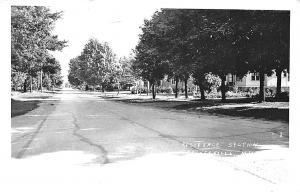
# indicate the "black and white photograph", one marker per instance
pixel 150 96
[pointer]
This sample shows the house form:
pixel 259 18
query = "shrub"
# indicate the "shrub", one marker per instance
pixel 47 82
pixel 212 82
pixel 165 89
pixel 269 92
pixel 235 88
pixel 283 96
pixel 250 90
pixel 214 95
pixel 133 90
pixel 17 79
pixel 169 90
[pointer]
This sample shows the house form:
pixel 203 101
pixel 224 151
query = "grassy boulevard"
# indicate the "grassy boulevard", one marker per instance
pixel 232 108
pixel 22 103
pixel 242 107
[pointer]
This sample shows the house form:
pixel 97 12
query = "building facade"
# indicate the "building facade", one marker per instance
pixel 252 80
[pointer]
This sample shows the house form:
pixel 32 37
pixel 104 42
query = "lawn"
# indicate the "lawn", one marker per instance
pixel 22 103
pixel 22 107
pixel 242 107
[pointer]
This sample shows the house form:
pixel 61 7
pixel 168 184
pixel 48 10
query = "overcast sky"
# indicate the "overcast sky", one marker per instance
pixel 115 24
pixel 117 21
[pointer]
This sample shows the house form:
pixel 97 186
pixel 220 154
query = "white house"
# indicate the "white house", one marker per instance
pixel 252 80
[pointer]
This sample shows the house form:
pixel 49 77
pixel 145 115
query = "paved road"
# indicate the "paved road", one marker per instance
pixel 114 131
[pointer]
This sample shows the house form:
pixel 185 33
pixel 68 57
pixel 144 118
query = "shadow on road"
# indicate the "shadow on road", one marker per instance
pixel 22 107
pixel 214 107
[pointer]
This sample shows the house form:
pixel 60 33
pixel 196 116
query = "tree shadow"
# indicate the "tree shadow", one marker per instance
pixel 257 113
pixel 214 107
pixel 22 107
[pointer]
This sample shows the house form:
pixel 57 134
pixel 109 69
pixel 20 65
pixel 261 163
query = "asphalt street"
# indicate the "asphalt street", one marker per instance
pixel 115 131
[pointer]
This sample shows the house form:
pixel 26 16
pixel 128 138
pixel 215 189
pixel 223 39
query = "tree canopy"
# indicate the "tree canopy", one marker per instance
pixel 32 40
pixel 184 42
pixel 95 66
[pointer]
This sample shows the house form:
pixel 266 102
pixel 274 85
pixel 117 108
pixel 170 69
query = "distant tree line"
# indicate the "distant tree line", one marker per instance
pixel 97 66
pixel 184 43
pixel 32 41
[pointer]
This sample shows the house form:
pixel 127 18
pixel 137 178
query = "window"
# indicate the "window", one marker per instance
pixel 171 81
pixel 255 76
pixel 229 78
pixel 239 78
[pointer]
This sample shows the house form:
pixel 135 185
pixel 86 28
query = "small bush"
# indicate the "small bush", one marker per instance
pixel 235 89
pixel 169 90
pixel 143 90
pixel 165 90
pixel 269 93
pixel 283 96
pixel 214 95
pixel 133 90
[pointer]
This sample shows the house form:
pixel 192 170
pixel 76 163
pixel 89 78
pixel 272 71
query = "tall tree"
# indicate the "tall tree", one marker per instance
pixel 149 66
pixel 95 66
pixel 171 31
pixel 149 63
pixel 213 51
pixel 264 43
pixel 74 77
pixel 198 42
pixel 126 75
pixel 31 38
pixel 281 45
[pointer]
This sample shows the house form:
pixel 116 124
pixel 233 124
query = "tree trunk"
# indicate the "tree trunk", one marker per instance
pixel 118 88
pixel 278 87
pixel 202 91
pixel 176 87
pixel 148 87
pixel 41 80
pixel 223 88
pixel 185 89
pixel 25 86
pixel 141 89
pixel 262 95
pixel 153 91
pixel 30 83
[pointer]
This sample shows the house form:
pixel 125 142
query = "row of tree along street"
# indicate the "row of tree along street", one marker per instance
pixel 32 41
pixel 203 44
pixel 184 43
pixel 97 67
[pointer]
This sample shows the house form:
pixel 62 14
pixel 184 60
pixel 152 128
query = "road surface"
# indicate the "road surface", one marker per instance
pixel 74 121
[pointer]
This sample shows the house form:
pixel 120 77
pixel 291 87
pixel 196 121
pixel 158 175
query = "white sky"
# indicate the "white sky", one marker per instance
pixel 117 21
pixel 115 24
